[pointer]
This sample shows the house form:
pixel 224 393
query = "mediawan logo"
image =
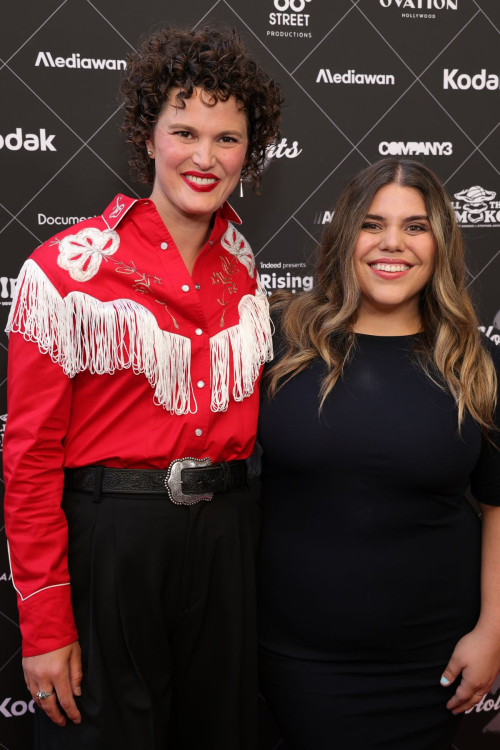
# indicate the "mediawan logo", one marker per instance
pixel 76 61
pixel 351 77
pixel 415 148
pixel 477 207
pixel 323 217
pixel 290 13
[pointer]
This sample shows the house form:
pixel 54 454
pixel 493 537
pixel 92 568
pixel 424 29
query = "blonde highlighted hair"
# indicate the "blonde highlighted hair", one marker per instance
pixel 319 323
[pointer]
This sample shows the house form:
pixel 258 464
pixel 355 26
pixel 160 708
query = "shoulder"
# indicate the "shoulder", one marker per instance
pixel 75 253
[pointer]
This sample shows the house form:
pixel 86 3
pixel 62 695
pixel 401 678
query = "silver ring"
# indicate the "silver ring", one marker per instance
pixel 42 694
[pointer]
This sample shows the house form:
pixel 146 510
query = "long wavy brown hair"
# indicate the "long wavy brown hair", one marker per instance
pixel 319 323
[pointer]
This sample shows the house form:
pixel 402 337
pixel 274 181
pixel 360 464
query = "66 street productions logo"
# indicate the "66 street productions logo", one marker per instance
pixel 289 16
pixel 477 207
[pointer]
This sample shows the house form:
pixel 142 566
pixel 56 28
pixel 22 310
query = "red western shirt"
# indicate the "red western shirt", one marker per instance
pixel 118 356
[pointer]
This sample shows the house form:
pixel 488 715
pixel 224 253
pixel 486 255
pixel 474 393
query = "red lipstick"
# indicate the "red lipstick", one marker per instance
pixel 196 186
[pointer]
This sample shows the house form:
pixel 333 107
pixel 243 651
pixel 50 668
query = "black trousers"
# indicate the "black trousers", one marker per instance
pixel 164 601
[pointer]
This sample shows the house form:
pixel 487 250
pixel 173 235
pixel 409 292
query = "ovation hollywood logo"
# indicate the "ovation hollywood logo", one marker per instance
pixel 289 16
pixel 76 61
pixel 477 207
pixel 422 7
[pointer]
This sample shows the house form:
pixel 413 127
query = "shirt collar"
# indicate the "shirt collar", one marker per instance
pixel 121 204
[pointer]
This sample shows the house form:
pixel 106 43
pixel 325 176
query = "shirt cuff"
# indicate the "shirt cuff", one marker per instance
pixel 47 621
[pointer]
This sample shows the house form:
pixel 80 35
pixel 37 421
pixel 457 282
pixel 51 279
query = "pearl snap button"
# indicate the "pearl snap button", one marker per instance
pixel 185 288
pixel 198 331
pixel 198 433
pixel 164 245
pixel 200 384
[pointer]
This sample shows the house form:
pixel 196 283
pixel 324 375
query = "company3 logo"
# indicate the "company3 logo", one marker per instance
pixel 415 148
pixel 18 708
pixel 477 206
pixel 295 5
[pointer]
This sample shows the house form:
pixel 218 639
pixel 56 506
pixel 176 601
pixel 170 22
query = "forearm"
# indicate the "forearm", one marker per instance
pixel 489 620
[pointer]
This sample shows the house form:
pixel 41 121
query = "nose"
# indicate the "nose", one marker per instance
pixel 204 155
pixel 392 240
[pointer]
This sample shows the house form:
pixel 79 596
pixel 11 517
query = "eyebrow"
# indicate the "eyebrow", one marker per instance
pixel 183 126
pixel 417 217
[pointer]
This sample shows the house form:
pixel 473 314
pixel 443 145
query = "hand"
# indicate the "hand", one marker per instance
pixel 59 670
pixel 477 657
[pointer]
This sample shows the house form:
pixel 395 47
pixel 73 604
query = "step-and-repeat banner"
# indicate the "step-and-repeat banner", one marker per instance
pixel 362 78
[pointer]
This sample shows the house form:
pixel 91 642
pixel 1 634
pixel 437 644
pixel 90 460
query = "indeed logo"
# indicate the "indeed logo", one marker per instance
pixel 75 61
pixel 415 148
pixel 421 4
pixel 464 81
pixel 30 141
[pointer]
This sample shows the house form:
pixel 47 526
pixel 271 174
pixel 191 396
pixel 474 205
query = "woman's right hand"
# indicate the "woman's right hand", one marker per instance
pixel 61 671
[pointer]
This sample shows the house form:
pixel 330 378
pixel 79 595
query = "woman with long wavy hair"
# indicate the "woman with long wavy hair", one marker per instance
pixel 379 616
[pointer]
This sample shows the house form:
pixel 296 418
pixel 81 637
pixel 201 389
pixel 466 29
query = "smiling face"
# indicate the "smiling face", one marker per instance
pixel 395 252
pixel 199 153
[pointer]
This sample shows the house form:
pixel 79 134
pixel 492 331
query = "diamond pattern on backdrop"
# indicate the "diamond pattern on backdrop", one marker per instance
pixel 333 125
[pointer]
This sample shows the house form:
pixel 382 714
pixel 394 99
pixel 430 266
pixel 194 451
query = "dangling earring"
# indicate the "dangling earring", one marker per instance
pixel 150 153
pixel 241 187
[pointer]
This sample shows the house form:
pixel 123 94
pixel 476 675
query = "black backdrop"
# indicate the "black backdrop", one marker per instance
pixel 362 78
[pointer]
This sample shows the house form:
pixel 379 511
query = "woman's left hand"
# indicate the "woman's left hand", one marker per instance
pixel 477 657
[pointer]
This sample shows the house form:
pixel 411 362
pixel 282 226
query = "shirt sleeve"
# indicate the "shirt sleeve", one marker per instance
pixel 485 478
pixel 38 412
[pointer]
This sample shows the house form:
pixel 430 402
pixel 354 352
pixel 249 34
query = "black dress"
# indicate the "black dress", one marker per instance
pixel 370 552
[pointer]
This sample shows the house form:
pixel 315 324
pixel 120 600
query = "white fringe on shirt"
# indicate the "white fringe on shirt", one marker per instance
pixel 80 332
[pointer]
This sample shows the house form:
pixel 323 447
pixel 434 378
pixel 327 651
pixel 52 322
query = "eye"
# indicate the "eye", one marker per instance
pixel 228 139
pixel 370 226
pixel 183 133
pixel 416 228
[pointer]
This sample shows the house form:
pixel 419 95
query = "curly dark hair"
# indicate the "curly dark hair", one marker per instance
pixel 213 59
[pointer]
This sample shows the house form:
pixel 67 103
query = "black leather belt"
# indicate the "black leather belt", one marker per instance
pixel 185 482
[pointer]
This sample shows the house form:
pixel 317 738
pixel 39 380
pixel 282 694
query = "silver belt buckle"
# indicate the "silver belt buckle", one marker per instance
pixel 173 481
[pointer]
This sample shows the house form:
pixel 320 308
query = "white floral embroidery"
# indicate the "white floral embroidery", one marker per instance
pixel 81 254
pixel 236 244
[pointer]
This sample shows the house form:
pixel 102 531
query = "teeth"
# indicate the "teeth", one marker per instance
pixel 391 267
pixel 200 180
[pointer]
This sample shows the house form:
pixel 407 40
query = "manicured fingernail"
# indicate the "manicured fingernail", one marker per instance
pixel 444 680
pixel 78 691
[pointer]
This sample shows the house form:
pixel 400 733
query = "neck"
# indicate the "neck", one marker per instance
pixel 378 321
pixel 190 232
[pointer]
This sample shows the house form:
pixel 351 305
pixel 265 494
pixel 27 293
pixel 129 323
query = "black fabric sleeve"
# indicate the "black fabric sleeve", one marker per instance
pixel 485 478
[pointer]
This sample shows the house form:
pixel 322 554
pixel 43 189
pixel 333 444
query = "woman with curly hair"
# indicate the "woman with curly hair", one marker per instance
pixel 379 618
pixel 146 329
